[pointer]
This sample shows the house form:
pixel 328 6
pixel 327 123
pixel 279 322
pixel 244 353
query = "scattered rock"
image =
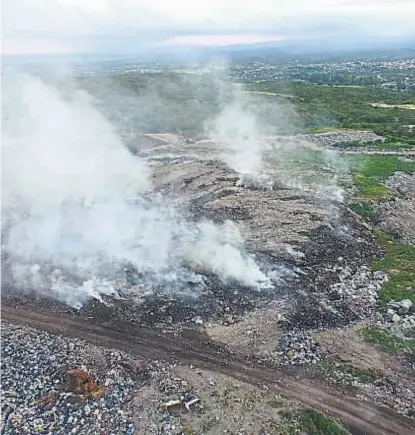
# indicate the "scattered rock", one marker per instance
pixel 401 307
pixel 396 318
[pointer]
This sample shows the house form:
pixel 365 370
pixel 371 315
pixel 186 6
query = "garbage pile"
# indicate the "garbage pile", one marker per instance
pixel 50 384
pixel 297 348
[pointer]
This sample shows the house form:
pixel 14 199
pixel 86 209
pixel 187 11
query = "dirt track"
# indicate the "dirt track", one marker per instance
pixel 359 417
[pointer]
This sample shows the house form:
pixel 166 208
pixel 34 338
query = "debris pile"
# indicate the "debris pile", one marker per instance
pixel 83 383
pixel 36 395
pixel 160 406
pixel 297 348
pixel 187 400
pixel 402 183
pixel 396 212
pixel 359 289
pixel 340 137
pixel 392 393
pixel 400 317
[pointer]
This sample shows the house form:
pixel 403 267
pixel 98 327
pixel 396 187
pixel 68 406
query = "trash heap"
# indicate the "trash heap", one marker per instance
pixel 297 348
pixel 52 384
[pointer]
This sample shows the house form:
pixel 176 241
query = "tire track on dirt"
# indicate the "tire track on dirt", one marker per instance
pixel 359 417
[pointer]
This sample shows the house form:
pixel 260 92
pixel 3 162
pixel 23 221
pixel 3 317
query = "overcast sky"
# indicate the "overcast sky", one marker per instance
pixel 110 26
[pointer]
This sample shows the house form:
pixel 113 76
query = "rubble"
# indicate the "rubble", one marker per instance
pixel 402 183
pixel 331 139
pixel 37 398
pixel 360 289
pixel 401 307
pixel 398 324
pixel 85 384
pixel 297 348
pixel 390 392
pixel 396 213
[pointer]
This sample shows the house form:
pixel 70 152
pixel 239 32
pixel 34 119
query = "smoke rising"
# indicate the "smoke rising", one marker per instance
pixel 237 130
pixel 69 230
pixel 263 159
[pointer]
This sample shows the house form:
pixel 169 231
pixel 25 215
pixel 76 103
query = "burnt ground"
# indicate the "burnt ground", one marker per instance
pixel 321 243
pixel 300 294
pixel 309 240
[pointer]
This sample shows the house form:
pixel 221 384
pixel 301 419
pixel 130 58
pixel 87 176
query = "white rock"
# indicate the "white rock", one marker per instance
pixel 380 275
pixel 402 307
pixel 390 313
pixel 198 320
pixel 396 318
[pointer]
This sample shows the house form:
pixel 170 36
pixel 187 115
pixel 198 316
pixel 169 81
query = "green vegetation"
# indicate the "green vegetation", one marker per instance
pixel 386 341
pixel 382 167
pixel 179 102
pixel 369 187
pixel 345 368
pixel 396 144
pixel 276 403
pixel 315 423
pixel 364 210
pixel 391 143
pixel 399 263
pixel 312 422
pixel 346 107
pixel 370 172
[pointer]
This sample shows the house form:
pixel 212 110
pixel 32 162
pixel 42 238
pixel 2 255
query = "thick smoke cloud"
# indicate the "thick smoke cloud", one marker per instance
pixel 77 207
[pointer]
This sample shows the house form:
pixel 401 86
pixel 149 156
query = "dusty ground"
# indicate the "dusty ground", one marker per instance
pixel 257 332
pixel 225 406
pixel 348 344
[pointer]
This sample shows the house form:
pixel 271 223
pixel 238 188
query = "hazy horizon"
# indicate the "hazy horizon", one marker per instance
pixel 124 26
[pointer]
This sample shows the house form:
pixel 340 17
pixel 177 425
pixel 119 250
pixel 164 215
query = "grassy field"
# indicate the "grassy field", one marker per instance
pixel 311 422
pixel 348 107
pixel 370 173
pixel 386 341
pixel 399 258
pixel 365 210
pixel 399 263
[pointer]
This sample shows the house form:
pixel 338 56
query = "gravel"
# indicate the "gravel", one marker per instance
pixel 37 397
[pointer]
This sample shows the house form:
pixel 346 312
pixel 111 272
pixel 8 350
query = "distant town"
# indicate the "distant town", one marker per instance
pixel 392 74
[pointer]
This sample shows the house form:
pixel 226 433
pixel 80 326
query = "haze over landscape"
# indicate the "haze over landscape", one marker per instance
pixel 117 27
pixel 208 217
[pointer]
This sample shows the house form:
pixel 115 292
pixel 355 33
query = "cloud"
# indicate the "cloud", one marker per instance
pixel 95 22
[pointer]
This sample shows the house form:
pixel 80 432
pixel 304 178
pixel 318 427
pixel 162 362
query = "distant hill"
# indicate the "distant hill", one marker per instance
pixel 375 46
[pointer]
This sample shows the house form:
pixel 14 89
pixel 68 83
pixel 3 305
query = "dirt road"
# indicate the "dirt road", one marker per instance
pixel 359 417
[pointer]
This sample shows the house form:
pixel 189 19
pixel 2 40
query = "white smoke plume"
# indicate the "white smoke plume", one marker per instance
pixel 263 159
pixel 237 130
pixel 69 229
